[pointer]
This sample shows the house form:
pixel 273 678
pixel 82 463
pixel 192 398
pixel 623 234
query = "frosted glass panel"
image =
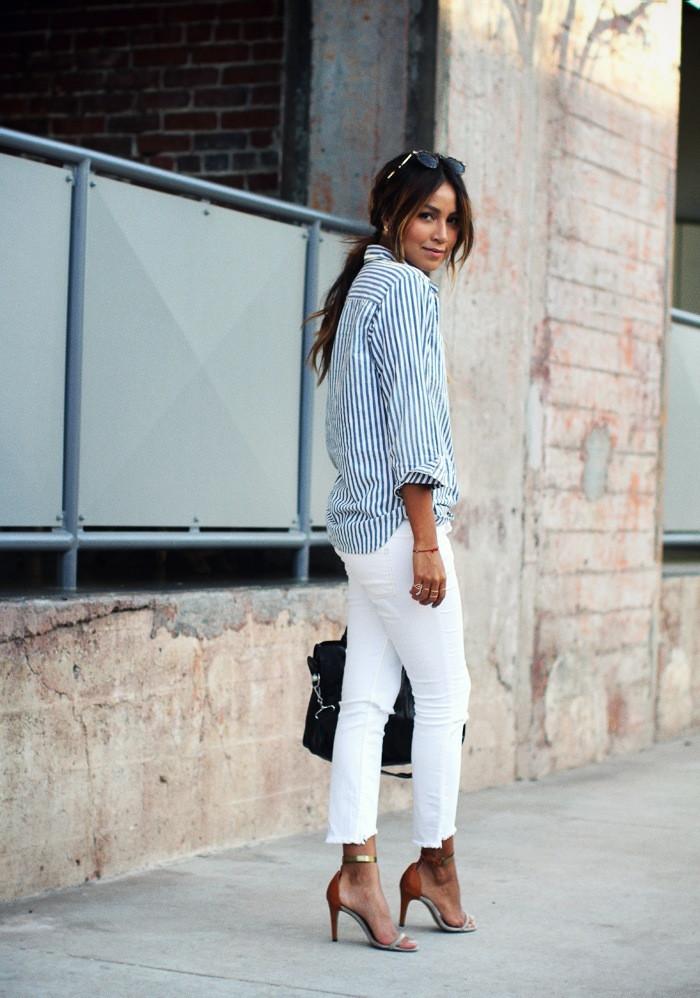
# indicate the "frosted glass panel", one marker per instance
pixel 191 363
pixel 35 225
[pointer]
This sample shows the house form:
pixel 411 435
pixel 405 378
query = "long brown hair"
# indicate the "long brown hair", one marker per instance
pixel 394 201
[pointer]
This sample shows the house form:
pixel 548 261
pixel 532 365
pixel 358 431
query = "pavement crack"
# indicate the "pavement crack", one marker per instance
pixel 217 977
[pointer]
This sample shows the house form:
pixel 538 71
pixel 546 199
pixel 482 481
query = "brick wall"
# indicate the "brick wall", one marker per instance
pixel 193 87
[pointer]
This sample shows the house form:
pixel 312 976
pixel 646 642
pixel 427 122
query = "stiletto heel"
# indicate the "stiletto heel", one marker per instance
pixel 411 890
pixel 334 922
pixel 335 906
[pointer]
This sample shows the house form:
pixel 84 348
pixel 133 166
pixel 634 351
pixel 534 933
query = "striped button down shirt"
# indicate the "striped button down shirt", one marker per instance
pixel 387 416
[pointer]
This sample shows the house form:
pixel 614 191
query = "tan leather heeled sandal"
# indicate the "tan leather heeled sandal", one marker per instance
pixel 335 906
pixel 411 887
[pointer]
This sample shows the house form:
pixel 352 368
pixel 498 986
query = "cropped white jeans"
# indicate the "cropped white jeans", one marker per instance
pixel 388 628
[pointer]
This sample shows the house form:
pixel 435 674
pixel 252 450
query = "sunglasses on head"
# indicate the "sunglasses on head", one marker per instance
pixel 429 159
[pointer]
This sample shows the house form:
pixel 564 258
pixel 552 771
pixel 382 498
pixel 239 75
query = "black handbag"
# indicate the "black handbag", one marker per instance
pixel 326 666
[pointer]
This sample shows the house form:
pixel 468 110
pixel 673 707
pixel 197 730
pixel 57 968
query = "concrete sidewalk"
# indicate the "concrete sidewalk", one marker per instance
pixel 584 883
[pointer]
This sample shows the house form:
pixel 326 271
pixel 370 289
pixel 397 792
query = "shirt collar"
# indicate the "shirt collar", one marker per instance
pixel 375 251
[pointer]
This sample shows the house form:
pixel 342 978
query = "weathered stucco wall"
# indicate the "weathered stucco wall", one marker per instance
pixel 138 728
pixel 567 116
pixel 134 729
pixel 678 685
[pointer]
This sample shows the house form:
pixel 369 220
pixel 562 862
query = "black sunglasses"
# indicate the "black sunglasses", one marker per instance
pixel 429 159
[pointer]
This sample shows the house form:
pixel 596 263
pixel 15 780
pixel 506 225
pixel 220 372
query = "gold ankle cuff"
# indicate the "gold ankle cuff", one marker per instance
pixel 359 859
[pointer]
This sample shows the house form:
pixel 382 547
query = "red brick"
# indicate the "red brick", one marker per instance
pixel 196 121
pixel 115 145
pixel 167 56
pixel 79 82
pixel 9 104
pixel 260 182
pixel 107 38
pixel 163 142
pixel 267 51
pixel 227 31
pixel 188 164
pixel 251 118
pixel 220 53
pixel 219 140
pixel 251 74
pixel 197 12
pixel 191 77
pixel 105 17
pixel 232 180
pixel 198 33
pixel 60 41
pixel 221 97
pixel 50 61
pixel 107 102
pixel 167 34
pixel 261 138
pixel 130 123
pixel 162 162
pixel 84 125
pixel 134 79
pixel 244 9
pixel 266 95
pixel 33 126
pixel 256 30
pixel 25 20
pixel 163 99
pixel 107 58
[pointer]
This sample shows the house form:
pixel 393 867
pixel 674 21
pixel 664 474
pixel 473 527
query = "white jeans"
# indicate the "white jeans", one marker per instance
pixel 387 627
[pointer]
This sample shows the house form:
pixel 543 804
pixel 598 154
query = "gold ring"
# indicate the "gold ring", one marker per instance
pixel 436 591
pixel 418 587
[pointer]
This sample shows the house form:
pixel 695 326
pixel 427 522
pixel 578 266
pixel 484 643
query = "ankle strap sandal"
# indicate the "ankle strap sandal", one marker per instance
pixel 437 860
pixel 359 859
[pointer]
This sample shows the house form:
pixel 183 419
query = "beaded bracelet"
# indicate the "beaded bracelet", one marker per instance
pixel 426 550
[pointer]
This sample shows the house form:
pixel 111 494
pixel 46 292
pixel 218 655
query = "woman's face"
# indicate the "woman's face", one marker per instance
pixel 430 236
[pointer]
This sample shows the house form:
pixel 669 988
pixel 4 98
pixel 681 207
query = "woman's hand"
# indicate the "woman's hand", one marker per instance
pixel 429 579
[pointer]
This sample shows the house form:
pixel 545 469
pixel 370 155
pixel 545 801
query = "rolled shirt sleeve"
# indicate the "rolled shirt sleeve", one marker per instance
pixel 404 344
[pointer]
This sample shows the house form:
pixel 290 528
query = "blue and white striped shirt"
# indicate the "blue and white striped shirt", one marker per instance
pixel 387 417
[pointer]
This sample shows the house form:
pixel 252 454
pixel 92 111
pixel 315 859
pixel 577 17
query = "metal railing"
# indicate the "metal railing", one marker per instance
pixel 69 538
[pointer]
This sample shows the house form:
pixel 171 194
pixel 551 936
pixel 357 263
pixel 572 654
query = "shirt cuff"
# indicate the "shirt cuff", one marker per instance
pixel 432 473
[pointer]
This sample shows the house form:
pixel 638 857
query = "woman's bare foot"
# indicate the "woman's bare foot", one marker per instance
pixel 440 884
pixel 360 890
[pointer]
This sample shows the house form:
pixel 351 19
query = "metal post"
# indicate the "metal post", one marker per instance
pixel 68 566
pixel 306 410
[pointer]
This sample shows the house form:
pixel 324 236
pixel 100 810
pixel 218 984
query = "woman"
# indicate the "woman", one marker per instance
pixel 388 435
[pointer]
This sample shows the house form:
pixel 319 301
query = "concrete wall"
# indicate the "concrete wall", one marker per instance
pixel 678 684
pixel 138 728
